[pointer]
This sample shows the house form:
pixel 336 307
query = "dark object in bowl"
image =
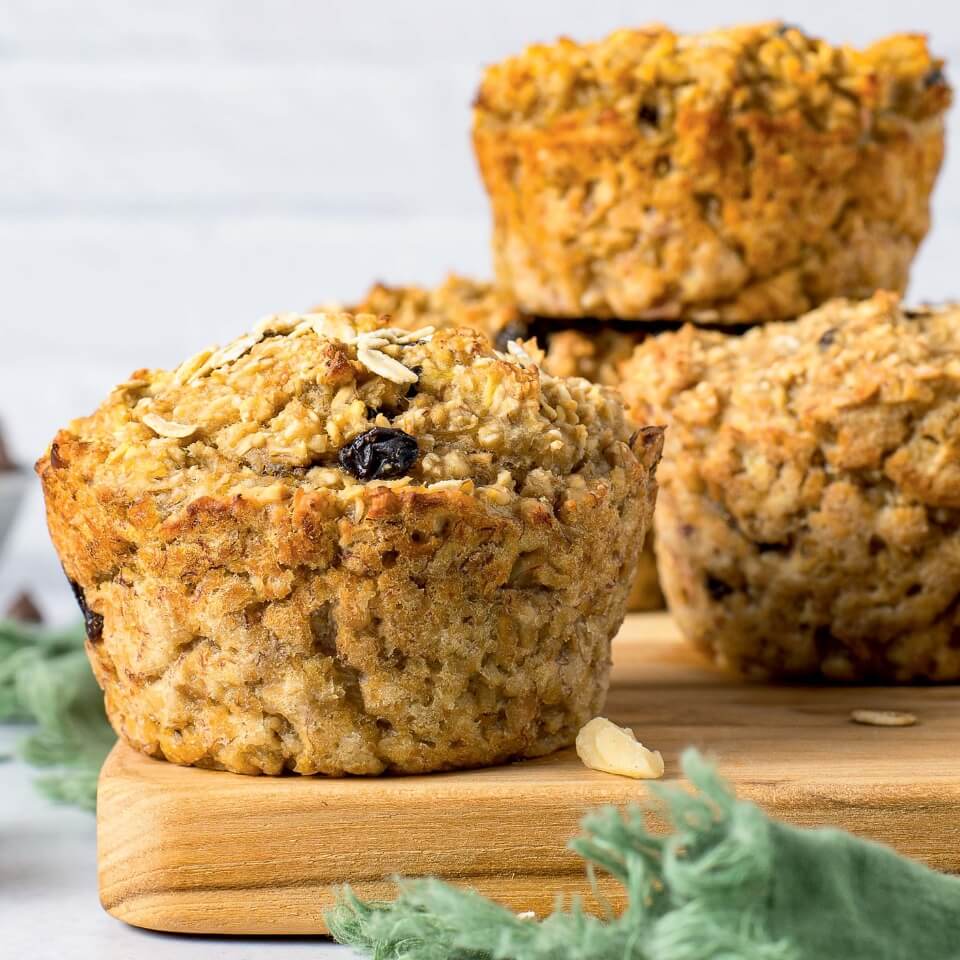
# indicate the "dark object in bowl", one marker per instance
pixel 24 609
pixel 6 464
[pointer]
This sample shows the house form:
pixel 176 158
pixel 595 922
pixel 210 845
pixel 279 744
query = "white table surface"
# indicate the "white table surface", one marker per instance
pixel 48 891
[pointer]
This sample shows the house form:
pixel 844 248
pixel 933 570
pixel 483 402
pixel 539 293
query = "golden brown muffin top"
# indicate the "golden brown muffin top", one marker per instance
pixel 865 390
pixel 649 76
pixel 272 411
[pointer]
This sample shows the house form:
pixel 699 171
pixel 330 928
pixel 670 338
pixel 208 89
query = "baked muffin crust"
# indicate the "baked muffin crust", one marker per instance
pixel 585 349
pixel 810 491
pixel 260 608
pixel 739 175
pixel 590 349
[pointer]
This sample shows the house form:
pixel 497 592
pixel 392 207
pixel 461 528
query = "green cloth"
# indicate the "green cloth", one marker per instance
pixel 45 678
pixel 727 884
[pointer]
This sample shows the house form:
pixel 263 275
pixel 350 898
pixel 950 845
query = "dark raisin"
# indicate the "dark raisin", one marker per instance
pixel 662 166
pixel 718 589
pixel 379 454
pixel 785 28
pixel 514 330
pixel 649 115
pixel 827 338
pixel 92 621
pixel 414 388
pixel 933 78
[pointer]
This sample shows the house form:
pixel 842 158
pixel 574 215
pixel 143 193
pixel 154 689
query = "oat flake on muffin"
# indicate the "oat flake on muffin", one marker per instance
pixel 809 515
pixel 337 547
pixel 734 176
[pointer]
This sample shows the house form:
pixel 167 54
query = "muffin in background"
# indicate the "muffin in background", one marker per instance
pixel 589 350
pixel 337 547
pixel 586 349
pixel 808 522
pixel 735 176
pixel 456 302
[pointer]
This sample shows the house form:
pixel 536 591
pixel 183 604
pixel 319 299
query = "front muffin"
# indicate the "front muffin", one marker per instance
pixel 809 515
pixel 336 547
pixel 735 176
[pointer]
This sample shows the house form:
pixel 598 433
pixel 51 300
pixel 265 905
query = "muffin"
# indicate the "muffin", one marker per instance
pixel 457 302
pixel 736 176
pixel 585 349
pixel 809 516
pixel 335 547
pixel 588 350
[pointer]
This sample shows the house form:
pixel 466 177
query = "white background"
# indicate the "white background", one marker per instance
pixel 171 170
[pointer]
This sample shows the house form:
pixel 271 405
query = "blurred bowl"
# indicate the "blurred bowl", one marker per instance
pixel 13 485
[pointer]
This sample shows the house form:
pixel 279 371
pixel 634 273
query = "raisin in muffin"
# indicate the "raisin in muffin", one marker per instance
pixel 809 516
pixel 735 176
pixel 590 350
pixel 337 547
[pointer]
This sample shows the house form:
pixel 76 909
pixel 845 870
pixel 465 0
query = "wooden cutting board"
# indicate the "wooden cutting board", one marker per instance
pixel 205 852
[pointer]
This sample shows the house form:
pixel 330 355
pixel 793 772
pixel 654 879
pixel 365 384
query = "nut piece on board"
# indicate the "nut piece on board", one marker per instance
pixel 604 746
pixel 883 718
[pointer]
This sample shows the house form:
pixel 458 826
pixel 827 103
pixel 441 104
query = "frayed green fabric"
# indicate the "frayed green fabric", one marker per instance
pixel 727 884
pixel 45 679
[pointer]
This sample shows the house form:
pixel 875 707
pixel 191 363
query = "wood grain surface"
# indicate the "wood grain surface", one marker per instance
pixel 206 852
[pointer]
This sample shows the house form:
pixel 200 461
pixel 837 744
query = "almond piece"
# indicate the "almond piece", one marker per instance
pixel 168 428
pixel 883 718
pixel 604 746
